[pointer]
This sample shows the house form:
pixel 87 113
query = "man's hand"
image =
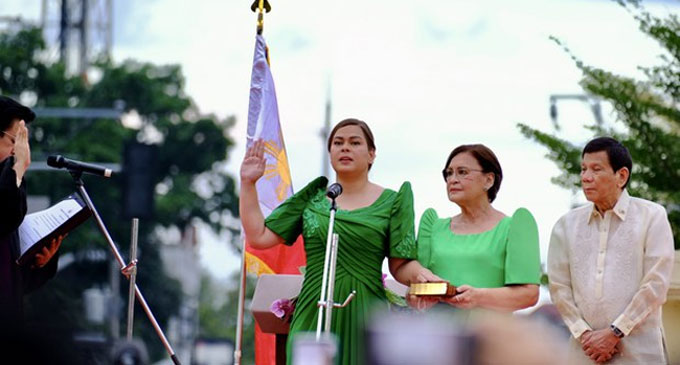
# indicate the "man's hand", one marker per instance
pixel 44 256
pixel 600 345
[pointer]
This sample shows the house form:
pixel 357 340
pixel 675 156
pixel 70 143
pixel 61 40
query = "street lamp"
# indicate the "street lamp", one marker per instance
pixel 593 102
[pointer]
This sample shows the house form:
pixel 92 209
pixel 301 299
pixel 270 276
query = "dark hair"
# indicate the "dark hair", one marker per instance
pixel 618 154
pixel 368 135
pixel 11 110
pixel 486 159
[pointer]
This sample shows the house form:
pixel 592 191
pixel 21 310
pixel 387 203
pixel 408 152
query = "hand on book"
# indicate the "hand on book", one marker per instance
pixel 466 297
pixel 424 275
pixel 421 302
pixel 47 252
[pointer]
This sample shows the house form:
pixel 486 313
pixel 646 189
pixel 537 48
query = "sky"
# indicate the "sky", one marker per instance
pixel 426 76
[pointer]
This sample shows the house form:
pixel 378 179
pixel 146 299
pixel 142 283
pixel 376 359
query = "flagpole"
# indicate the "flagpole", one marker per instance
pixel 241 302
pixel 260 17
pixel 261 6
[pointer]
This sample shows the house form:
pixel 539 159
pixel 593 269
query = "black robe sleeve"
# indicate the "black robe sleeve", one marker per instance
pixel 12 198
pixel 12 213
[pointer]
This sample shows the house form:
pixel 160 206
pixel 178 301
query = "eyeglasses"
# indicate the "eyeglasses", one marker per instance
pixel 12 138
pixel 461 173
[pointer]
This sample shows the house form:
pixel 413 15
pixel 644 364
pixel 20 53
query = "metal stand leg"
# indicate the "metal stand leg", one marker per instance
pixel 326 300
pixel 100 223
pixel 131 269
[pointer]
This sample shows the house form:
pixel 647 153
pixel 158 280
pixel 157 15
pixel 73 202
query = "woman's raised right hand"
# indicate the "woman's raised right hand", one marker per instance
pixel 252 167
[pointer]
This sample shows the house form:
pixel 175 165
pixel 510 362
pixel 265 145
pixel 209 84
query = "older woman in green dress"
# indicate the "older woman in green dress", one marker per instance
pixel 372 222
pixel 491 258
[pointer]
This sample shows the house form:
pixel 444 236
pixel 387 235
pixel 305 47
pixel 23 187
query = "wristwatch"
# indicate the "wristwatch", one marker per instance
pixel 617 332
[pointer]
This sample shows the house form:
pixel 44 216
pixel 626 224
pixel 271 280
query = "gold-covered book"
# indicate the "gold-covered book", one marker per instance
pixel 443 289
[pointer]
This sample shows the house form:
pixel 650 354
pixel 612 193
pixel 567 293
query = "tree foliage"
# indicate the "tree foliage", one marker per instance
pixel 646 109
pixel 190 183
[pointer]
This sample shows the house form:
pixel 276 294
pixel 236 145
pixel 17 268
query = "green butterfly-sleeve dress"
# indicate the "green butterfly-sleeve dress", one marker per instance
pixel 367 235
pixel 505 255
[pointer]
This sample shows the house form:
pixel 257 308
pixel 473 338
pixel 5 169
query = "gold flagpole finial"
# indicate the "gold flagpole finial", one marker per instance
pixel 260 6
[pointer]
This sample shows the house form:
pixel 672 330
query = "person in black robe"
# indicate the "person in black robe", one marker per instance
pixel 15 157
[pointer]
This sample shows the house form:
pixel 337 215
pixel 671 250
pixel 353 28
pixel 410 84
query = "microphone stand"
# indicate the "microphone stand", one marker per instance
pixel 326 301
pixel 76 174
pixel 131 270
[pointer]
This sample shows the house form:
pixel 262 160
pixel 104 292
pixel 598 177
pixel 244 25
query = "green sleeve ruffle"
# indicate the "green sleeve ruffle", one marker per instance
pixel 286 219
pixel 424 240
pixel 522 258
pixel 402 236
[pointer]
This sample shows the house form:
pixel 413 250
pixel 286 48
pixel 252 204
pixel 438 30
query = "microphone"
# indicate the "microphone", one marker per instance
pixel 60 162
pixel 334 191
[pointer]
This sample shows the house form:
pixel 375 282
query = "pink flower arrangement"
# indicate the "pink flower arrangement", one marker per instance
pixel 395 300
pixel 283 308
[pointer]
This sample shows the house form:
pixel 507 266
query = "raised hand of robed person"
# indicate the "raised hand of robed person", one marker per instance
pixel 21 151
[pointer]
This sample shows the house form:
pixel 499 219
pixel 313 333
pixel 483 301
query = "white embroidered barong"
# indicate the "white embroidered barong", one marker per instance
pixel 614 269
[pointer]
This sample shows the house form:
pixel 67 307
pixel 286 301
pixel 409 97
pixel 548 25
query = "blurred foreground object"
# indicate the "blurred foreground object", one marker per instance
pixel 308 350
pixel 461 337
pixel 409 338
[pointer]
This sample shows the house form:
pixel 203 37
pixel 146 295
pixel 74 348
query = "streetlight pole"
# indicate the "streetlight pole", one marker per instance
pixel 593 102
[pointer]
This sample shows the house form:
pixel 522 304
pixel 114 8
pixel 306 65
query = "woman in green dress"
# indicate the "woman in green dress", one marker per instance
pixel 491 258
pixel 372 222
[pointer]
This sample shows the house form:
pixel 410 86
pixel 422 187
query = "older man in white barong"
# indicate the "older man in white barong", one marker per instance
pixel 610 264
